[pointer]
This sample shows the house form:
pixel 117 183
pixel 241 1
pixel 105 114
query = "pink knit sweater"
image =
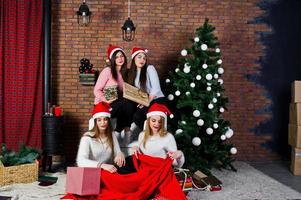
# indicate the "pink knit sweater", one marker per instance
pixel 105 79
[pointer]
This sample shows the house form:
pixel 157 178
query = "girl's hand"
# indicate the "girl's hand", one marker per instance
pixel 110 101
pixel 109 168
pixel 140 106
pixel 175 155
pixel 136 150
pixel 120 160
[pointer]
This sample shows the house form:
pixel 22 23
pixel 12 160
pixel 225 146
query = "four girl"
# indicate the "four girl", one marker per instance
pixel 99 147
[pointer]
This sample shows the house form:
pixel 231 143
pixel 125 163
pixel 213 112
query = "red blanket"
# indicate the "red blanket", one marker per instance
pixel 154 178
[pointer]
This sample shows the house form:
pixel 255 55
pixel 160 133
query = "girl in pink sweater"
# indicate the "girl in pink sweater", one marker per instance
pixel 109 89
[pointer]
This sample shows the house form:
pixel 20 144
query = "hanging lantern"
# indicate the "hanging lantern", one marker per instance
pixel 83 14
pixel 128 28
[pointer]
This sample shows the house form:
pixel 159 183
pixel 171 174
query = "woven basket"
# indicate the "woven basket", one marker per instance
pixel 26 173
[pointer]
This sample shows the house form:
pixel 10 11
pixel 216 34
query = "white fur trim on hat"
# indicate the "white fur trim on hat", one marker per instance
pixel 114 50
pixel 139 51
pixel 97 115
pixel 162 114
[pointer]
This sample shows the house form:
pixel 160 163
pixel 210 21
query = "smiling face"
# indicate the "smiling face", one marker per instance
pixel 102 123
pixel 119 60
pixel 140 60
pixel 155 123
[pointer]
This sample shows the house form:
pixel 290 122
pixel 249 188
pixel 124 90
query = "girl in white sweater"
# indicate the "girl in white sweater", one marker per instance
pixel 155 140
pixel 99 146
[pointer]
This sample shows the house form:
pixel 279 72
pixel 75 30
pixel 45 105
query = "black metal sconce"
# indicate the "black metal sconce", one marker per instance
pixel 128 28
pixel 83 14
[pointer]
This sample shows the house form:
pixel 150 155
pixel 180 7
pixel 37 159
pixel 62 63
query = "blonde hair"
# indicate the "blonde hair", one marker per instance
pixel 148 131
pixel 108 133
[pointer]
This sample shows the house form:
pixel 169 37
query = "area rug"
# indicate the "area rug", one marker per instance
pixel 247 183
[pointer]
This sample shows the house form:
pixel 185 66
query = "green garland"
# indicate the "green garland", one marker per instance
pixel 12 158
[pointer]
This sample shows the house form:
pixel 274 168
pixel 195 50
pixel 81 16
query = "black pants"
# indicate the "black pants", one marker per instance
pixel 140 113
pixel 129 166
pixel 122 109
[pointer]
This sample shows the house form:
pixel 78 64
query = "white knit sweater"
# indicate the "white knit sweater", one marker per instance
pixel 157 146
pixel 94 151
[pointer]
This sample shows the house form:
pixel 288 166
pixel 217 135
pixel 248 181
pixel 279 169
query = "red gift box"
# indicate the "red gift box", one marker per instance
pixel 83 180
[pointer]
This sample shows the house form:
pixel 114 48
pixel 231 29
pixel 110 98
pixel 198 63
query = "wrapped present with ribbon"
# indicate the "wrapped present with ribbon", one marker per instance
pixel 111 93
pixel 184 180
pixel 135 94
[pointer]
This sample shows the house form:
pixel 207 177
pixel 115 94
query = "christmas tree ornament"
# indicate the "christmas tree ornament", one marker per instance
pixel 217 50
pixel 186 65
pixel 204 66
pixel 210 106
pixel 214 100
pixel 209 84
pixel 209 131
pixel 200 122
pixel 198 77
pixel 220 70
pixel 220 81
pixel 192 85
pixel 196 113
pixel 215 125
pixel 218 94
pixel 215 76
pixel 167 80
pixel 219 61
pixel 186 70
pixel 222 110
pixel 229 133
pixel 183 122
pixel 184 52
pixel 208 77
pixel 204 47
pixel 170 97
pixel 177 70
pixel 196 39
pixel 223 137
pixel 233 150
pixel 177 93
pixel 179 131
pixel 196 141
pixel 208 88
pixel 187 93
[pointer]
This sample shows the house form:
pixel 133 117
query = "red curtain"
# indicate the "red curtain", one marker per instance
pixel 21 59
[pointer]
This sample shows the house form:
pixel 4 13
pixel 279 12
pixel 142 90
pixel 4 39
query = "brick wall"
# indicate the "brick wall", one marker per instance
pixel 164 27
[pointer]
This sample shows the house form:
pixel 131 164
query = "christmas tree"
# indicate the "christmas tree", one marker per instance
pixel 196 89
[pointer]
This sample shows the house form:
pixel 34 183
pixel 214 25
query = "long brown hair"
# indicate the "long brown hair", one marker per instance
pixel 148 131
pixel 113 66
pixel 108 133
pixel 131 74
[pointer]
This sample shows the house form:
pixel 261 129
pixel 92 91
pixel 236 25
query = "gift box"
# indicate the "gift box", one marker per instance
pixel 183 179
pixel 296 161
pixel 294 135
pixel 135 94
pixel 296 91
pixel 83 180
pixel 295 113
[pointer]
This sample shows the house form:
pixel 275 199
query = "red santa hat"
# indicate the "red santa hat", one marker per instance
pixel 100 110
pixel 112 49
pixel 137 50
pixel 161 110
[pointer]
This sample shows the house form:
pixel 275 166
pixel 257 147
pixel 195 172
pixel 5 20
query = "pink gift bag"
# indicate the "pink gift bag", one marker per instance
pixel 83 180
